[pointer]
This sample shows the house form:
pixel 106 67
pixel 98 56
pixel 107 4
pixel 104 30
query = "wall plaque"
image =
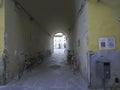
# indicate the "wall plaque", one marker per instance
pixel 107 43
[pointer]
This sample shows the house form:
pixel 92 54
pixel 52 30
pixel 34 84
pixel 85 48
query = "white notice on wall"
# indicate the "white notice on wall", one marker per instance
pixel 107 43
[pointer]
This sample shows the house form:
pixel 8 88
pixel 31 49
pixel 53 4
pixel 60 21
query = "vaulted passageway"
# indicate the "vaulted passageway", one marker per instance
pixel 30 29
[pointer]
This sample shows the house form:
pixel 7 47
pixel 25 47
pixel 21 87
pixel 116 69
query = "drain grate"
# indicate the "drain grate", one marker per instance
pixel 55 66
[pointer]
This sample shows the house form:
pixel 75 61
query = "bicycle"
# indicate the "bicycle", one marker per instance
pixel 71 59
pixel 69 56
pixel 29 62
pixel 26 65
pixel 74 64
pixel 38 59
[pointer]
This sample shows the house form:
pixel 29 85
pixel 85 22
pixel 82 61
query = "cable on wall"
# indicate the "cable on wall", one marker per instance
pixel 19 6
pixel 83 3
pixel 98 0
pixel 81 8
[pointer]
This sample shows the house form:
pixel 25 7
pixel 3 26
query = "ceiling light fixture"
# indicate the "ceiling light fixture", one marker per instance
pixel 98 0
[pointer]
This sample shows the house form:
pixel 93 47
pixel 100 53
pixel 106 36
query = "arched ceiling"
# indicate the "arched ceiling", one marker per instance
pixel 53 15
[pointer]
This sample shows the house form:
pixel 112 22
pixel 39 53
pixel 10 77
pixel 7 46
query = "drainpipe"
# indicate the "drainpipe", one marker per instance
pixel 4 57
pixel 20 6
pixel 90 55
pixel 4 72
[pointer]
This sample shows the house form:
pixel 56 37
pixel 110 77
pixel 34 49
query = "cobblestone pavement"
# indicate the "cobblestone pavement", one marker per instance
pixel 53 74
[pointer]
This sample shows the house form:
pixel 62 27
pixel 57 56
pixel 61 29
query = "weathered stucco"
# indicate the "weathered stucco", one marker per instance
pixel 103 22
pixel 22 35
pixel 80 39
pixel 94 20
pixel 2 27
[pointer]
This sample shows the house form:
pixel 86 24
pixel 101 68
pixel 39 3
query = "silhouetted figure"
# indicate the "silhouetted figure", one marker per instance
pixel 59 46
pixel 64 45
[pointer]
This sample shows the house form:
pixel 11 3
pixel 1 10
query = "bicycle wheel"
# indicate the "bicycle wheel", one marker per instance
pixel 21 71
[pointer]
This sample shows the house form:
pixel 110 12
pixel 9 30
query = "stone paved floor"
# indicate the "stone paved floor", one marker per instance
pixel 54 74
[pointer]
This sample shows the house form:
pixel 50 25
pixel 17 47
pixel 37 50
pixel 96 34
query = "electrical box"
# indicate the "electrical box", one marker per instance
pixel 107 70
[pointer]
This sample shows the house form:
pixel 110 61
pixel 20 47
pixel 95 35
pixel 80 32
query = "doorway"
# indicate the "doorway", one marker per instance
pixel 60 43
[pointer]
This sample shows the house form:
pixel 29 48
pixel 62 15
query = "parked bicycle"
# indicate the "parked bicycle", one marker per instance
pixel 69 56
pixel 72 61
pixel 30 62
pixel 39 58
pixel 75 64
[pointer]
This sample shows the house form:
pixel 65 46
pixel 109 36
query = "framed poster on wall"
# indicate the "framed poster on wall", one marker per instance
pixel 107 43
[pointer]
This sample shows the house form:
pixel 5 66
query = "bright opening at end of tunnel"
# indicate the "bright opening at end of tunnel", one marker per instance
pixel 59 43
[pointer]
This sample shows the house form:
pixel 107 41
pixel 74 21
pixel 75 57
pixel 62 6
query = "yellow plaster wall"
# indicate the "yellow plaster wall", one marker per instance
pixel 2 28
pixel 102 22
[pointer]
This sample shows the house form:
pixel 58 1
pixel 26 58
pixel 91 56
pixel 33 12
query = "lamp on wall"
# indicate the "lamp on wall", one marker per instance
pixel 19 6
pixel 98 0
pixel 118 19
